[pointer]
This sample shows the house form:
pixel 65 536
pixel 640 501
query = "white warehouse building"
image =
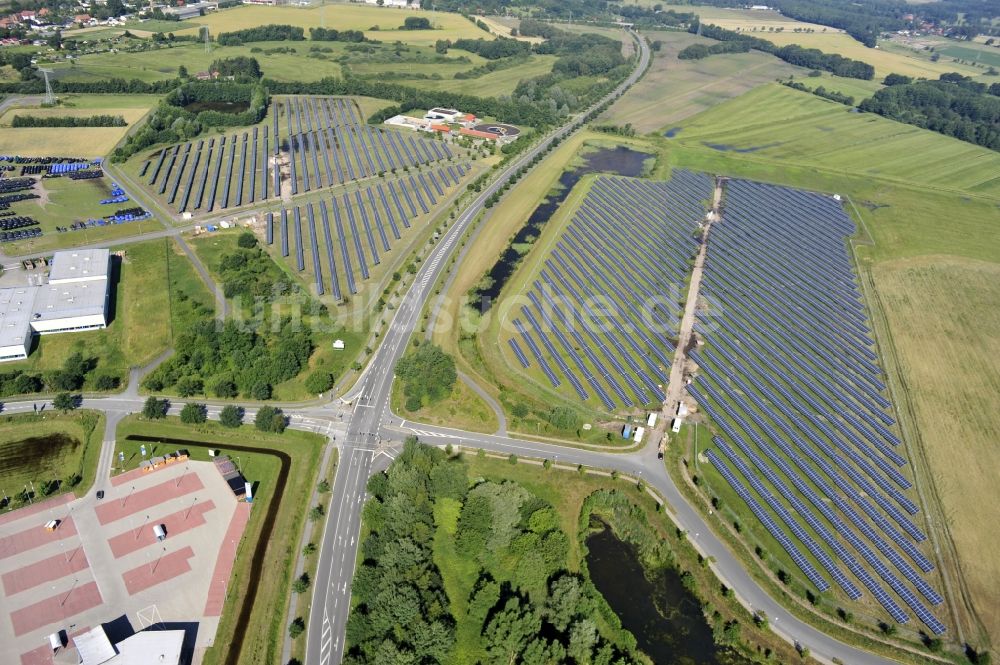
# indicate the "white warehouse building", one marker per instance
pixel 74 299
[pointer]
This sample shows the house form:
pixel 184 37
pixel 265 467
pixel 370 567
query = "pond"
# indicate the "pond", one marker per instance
pixel 619 160
pixel 665 618
pixel 221 107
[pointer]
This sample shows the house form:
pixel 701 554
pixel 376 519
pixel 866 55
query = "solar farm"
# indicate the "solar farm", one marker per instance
pixel 788 372
pixel 785 368
pixel 348 234
pixel 308 143
pixel 600 324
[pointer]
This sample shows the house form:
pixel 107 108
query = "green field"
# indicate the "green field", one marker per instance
pixel 140 325
pixel 987 56
pixel 263 636
pixel 776 125
pixel 37 449
pixel 342 17
pixel 75 141
pixel 673 89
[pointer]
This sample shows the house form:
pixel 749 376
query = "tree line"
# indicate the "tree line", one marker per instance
pixel 699 51
pixel 262 33
pixel 794 54
pixel 954 105
pixel 820 91
pixel 68 121
pixel 333 35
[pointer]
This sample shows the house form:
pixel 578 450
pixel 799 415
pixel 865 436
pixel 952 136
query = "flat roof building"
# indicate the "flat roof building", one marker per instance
pixel 75 299
pixel 80 265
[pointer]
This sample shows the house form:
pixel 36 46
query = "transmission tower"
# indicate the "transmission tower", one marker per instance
pixel 50 97
pixel 208 43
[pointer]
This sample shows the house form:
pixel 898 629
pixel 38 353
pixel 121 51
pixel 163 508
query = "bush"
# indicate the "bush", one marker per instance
pixel 194 414
pixel 301 585
pixel 270 419
pixel 155 409
pixel 247 240
pixel 296 627
pixel 231 416
pixel 106 382
pixel 319 382
pixel 317 513
pixel 64 402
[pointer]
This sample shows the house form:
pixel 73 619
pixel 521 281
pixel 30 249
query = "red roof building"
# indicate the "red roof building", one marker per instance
pixel 475 133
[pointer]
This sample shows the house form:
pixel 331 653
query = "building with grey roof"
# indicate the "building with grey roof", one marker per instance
pixel 74 299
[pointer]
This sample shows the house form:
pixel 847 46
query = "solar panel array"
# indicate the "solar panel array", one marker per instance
pixel 602 313
pixel 327 143
pixel 789 374
pixel 348 234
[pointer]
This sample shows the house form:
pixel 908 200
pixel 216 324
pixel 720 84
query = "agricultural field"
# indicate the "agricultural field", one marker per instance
pixel 139 327
pixel 673 89
pixel 342 17
pixel 744 20
pixel 942 316
pixel 77 141
pixel 775 124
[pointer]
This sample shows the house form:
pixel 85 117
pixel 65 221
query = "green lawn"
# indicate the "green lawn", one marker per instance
pixel 262 637
pixel 50 447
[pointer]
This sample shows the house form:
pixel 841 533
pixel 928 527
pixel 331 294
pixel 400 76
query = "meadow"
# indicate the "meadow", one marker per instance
pixel 775 124
pixel 262 636
pixel 673 89
pixel 75 141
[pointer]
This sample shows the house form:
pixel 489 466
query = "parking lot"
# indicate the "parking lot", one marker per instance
pixel 104 560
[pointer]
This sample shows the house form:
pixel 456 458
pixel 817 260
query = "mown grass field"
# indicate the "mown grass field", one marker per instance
pixel 462 409
pixel 263 636
pixel 775 124
pixel 342 17
pixel 501 82
pixel 53 446
pixel 944 316
pixel 673 89
pixel 72 141
pixel 139 329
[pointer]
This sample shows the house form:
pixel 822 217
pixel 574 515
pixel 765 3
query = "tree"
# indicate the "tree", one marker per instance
pixel 270 419
pixel 182 72
pixel 64 402
pixel 319 382
pixel 309 549
pixel 247 240
pixel 155 409
pixel 193 413
pixel 427 373
pixel 231 416
pixel 323 486
pixel 317 513
pixel 416 23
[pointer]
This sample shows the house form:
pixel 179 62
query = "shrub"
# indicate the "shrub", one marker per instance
pixel 155 409
pixel 319 382
pixel 194 414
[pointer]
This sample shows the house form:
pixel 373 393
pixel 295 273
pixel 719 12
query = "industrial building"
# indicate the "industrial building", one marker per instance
pixel 148 646
pixel 74 298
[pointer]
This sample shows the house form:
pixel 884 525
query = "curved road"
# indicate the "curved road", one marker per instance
pixel 369 435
